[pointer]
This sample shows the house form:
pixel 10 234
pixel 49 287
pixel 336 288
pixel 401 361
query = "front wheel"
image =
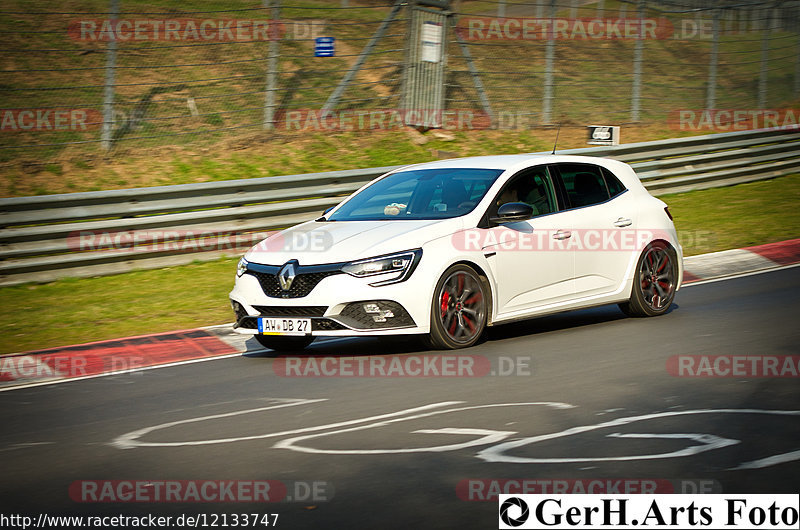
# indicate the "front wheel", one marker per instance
pixel 284 343
pixel 458 309
pixel 655 283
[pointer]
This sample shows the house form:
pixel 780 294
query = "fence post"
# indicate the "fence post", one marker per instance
pixel 711 94
pixel 763 72
pixel 550 49
pixel 775 19
pixel 797 70
pixel 108 89
pixel 272 64
pixel 501 9
pixel 636 91
pixel 600 8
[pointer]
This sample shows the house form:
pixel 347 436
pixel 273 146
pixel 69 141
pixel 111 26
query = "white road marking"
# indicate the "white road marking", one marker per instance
pixel 130 440
pixel 769 461
pixel 488 436
pixel 14 447
pixel 493 453
pixel 496 453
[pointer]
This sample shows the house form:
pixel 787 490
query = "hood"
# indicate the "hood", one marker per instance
pixel 314 242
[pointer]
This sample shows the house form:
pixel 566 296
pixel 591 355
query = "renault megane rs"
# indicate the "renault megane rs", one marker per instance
pixel 444 249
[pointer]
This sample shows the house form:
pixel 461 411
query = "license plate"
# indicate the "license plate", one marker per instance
pixel 284 326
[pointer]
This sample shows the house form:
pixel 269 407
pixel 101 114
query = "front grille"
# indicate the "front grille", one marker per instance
pixel 291 311
pixel 325 324
pixel 354 315
pixel 301 286
pixel 248 323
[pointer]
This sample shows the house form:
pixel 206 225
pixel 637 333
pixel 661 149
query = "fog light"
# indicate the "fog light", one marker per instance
pixel 378 314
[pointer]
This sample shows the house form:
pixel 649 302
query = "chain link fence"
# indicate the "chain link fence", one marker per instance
pixel 117 78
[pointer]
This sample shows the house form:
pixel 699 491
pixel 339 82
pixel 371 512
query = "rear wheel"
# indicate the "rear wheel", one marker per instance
pixel 458 309
pixel 284 343
pixel 656 279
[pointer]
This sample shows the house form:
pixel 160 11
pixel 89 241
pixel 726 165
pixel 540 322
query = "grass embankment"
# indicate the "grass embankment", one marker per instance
pixel 80 310
pixel 258 155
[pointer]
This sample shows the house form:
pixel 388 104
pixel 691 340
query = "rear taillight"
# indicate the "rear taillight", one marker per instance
pixel 668 214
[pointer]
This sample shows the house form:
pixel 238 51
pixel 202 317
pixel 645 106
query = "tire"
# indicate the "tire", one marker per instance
pixel 284 343
pixel 656 279
pixel 458 309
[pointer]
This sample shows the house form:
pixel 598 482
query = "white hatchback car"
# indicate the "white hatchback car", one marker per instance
pixel 444 249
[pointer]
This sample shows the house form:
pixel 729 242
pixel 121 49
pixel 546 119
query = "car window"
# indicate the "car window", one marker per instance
pixel 419 194
pixel 615 187
pixel 531 186
pixel 584 184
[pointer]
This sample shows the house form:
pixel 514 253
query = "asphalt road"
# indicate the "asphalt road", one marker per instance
pixel 379 464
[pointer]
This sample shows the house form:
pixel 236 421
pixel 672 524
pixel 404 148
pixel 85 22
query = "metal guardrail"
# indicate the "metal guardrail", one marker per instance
pixel 54 236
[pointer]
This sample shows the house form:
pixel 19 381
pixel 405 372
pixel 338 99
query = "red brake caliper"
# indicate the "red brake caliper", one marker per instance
pixel 445 301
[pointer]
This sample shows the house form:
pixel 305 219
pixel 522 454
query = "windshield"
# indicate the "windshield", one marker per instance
pixel 419 194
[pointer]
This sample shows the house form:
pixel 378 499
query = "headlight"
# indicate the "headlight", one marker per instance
pixel 403 263
pixel 241 267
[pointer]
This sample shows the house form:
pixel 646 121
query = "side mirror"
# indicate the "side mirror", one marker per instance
pixel 322 217
pixel 512 212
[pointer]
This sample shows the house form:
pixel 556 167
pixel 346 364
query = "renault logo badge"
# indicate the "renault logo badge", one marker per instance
pixel 286 276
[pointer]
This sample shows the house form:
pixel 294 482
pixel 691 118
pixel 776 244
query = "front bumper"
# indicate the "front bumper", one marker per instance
pixel 335 305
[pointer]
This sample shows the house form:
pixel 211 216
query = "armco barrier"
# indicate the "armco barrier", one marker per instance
pixel 39 238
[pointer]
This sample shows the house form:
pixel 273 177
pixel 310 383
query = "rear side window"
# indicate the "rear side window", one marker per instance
pixel 615 187
pixel 584 184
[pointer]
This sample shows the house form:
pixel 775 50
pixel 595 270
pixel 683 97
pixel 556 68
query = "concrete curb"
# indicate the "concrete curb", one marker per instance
pixel 119 356
pixel 741 260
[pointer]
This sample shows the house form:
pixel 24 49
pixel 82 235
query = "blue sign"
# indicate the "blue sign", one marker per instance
pixel 323 47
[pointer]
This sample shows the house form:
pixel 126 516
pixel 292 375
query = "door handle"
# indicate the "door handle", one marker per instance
pixel 562 234
pixel 622 222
